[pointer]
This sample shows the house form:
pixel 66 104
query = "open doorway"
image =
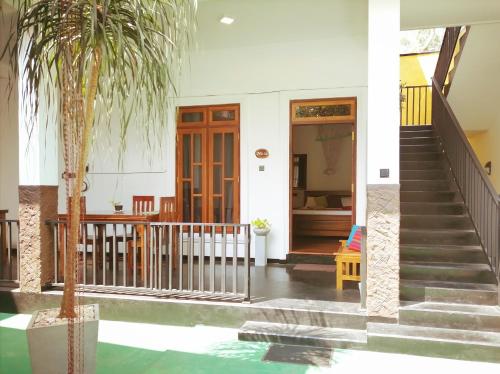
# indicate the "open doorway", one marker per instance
pixel 322 174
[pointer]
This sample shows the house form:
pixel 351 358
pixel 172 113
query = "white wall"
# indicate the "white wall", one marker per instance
pixel 305 142
pixel 9 175
pixel 274 52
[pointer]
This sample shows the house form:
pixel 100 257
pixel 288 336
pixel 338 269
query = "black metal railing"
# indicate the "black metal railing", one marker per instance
pixel 196 260
pixel 416 105
pixel 9 243
pixel 476 188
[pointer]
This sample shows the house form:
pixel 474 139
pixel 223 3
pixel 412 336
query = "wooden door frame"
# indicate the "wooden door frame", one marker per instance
pixel 354 125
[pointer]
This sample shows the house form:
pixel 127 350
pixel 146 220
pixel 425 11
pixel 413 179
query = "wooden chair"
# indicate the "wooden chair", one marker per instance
pixel 348 265
pixel 140 204
pixel 168 213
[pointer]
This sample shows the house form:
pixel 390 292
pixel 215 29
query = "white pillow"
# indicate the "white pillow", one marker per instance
pixel 346 202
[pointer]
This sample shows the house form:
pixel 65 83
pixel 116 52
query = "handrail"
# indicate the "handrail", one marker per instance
pixel 450 40
pixel 479 194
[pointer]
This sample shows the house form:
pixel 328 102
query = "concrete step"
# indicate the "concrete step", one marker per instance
pixel 411 134
pixel 425 185
pixel 420 156
pixel 449 292
pixel 420 165
pixel 424 140
pixel 453 208
pixel 416 128
pixel 443 253
pixel 419 148
pixel 302 335
pixel 427 196
pixel 439 237
pixel 435 342
pixel 439 221
pixel 415 175
pixel 451 316
pixel 446 271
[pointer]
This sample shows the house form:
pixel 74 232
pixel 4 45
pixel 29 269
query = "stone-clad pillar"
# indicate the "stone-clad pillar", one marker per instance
pixel 382 283
pixel 38 186
pixel 37 204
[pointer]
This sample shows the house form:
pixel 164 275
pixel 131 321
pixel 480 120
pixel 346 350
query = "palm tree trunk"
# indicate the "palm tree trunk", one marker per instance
pixel 68 299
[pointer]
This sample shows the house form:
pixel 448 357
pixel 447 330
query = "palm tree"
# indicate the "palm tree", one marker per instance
pixel 95 57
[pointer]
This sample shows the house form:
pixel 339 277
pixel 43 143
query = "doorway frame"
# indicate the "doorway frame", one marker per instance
pixel 291 125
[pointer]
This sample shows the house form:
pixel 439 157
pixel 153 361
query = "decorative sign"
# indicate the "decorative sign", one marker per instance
pixel 262 153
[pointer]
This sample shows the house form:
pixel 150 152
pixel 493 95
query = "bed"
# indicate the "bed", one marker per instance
pixel 323 213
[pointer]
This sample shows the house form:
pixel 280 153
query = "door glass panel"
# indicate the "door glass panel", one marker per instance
pixel 223 115
pixel 197 209
pixel 228 155
pixel 197 148
pixel 217 179
pixel 186 201
pixel 228 201
pixel 217 209
pixel 217 147
pixel 186 156
pixel 192 117
pixel 197 186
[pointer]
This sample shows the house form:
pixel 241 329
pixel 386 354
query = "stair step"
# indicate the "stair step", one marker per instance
pixel 433 341
pixel 416 128
pixel 443 253
pixel 423 140
pixel 452 316
pixel 419 165
pixel 415 175
pixel 425 185
pixel 447 271
pixel 440 221
pixel 412 134
pixel 282 333
pixel 419 148
pixel 420 156
pixel 432 208
pixel 427 196
pixel 438 237
pixel 449 292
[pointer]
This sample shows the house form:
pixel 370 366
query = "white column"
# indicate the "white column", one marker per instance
pixel 383 159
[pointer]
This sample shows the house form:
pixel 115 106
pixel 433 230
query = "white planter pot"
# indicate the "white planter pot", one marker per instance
pixel 261 246
pixel 48 345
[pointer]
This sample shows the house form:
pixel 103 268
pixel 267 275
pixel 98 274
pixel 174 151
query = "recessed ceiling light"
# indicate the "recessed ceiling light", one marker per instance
pixel 226 20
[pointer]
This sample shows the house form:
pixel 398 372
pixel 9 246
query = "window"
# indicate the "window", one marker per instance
pixel 208 165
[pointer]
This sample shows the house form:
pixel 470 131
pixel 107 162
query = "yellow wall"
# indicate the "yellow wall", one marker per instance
pixel 486 149
pixel 417 70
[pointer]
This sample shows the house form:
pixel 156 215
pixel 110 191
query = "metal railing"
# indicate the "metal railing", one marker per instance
pixel 9 259
pixel 477 190
pixel 193 260
pixel 416 105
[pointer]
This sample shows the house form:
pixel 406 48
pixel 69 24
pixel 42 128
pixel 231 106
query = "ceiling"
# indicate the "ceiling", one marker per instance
pixel 474 93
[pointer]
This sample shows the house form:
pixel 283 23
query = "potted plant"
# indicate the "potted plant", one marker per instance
pixel 261 227
pixel 92 58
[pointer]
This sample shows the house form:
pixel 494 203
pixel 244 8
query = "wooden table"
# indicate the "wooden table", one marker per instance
pixel 102 218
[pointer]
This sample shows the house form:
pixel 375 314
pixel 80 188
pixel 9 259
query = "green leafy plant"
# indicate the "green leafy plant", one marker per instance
pixel 93 58
pixel 261 224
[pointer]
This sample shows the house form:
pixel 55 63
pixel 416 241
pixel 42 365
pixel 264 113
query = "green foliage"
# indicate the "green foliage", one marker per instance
pixel 261 223
pixel 141 43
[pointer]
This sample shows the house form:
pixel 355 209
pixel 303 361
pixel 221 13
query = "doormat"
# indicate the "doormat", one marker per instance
pixel 293 354
pixel 315 267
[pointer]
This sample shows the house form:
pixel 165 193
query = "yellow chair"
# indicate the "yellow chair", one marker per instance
pixel 348 265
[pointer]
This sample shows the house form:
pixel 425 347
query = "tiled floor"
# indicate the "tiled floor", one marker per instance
pixel 145 348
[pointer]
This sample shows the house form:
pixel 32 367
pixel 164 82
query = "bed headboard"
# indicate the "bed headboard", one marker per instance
pixel 333 197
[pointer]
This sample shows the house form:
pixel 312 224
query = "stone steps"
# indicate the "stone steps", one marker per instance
pixel 421 140
pixel 419 148
pixel 443 253
pixel 428 174
pixel 302 335
pixel 438 221
pixel 452 316
pixel 434 342
pixel 427 196
pixel 432 208
pixel 421 156
pixel 446 271
pixel 420 165
pixel 439 236
pixel 425 185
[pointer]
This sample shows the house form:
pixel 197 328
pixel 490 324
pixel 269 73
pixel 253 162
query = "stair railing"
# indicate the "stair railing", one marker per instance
pixel 478 193
pixel 450 40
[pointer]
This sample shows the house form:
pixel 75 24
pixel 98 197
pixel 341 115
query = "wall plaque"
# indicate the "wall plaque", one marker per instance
pixel 262 153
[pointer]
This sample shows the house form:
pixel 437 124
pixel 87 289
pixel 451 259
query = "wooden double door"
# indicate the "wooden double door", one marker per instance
pixel 208 164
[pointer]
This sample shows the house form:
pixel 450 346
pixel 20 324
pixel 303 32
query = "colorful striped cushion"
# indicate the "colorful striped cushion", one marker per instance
pixel 355 243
